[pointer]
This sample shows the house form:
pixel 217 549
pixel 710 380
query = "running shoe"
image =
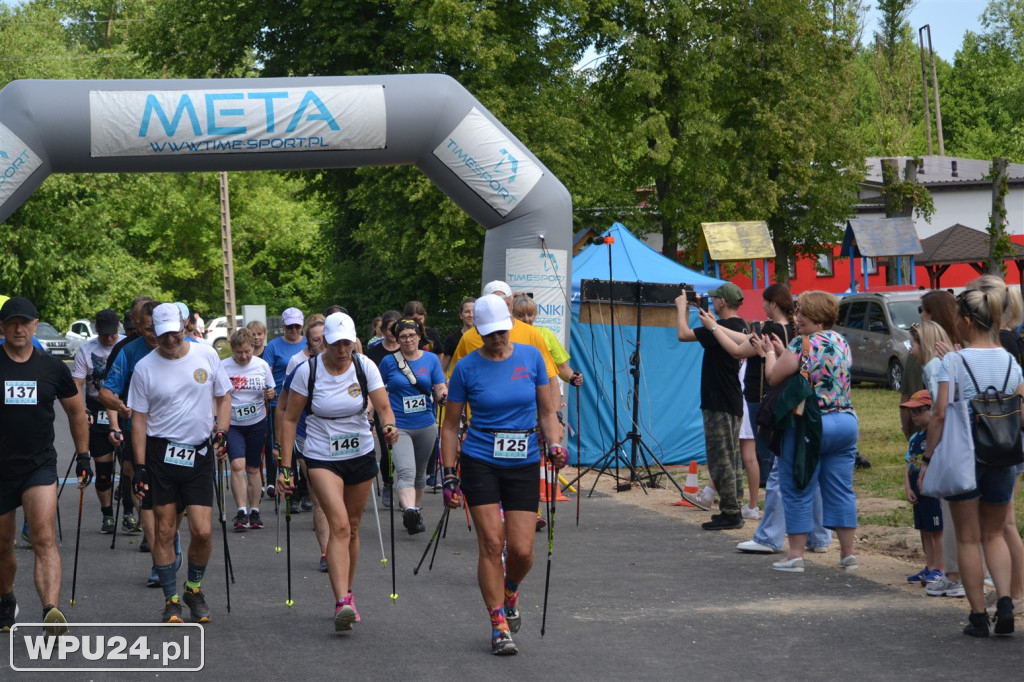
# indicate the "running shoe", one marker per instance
pixel 323 563
pixel 944 587
pixel 513 618
pixel 108 525
pixel 932 575
pixel 848 562
pixel 352 603
pixel 502 644
pixel 24 534
pixel 385 495
pixel 196 603
pixel 144 545
pixel 919 576
pixel 751 513
pixel 241 522
pixel 129 524
pixel 306 504
pixel 294 507
pixel 413 521
pixel 255 522
pixel 697 500
pixel 540 522
pixel 344 616
pixel 269 491
pixel 8 614
pixel 55 624
pixel 172 611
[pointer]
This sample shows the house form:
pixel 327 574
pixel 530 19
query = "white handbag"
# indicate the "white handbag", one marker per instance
pixel 951 471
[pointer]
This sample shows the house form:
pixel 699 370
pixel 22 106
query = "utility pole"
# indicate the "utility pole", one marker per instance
pixel 227 257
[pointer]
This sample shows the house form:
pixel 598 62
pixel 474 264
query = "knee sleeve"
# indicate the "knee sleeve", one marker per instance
pixel 104 476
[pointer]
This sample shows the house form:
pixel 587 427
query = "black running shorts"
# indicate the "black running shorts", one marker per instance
pixel 177 484
pixel 352 471
pixel 516 488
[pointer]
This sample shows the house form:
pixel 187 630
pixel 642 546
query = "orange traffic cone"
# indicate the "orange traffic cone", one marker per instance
pixel 546 473
pixel 691 486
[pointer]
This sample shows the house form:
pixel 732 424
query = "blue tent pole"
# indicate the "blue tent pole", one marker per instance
pixel 913 274
pixel 764 264
pixel 718 270
pixel 864 267
pixel 705 254
pixel 899 270
pixel 753 267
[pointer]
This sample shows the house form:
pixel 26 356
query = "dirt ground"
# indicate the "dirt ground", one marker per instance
pixel 885 555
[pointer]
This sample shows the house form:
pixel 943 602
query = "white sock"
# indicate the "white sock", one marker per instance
pixel 254 509
pixel 241 510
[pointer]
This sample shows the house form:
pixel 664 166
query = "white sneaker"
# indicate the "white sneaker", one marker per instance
pixel 848 562
pixel 752 513
pixel 707 497
pixel 944 587
pixel 751 547
pixel 819 549
pixel 790 565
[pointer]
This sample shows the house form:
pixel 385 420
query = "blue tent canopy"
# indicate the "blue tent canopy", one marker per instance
pixel 669 395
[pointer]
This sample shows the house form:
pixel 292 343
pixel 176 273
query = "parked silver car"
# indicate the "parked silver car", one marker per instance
pixel 877 328
pixel 54 342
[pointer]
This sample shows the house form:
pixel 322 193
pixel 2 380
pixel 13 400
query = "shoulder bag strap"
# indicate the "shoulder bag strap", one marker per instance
pixel 974 381
pixel 1006 381
pixel 407 371
pixel 311 384
pixel 361 378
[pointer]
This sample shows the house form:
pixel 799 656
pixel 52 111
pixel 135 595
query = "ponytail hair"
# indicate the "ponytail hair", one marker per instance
pixel 780 295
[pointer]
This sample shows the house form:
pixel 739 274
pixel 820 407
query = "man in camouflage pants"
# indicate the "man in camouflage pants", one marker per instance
pixel 721 401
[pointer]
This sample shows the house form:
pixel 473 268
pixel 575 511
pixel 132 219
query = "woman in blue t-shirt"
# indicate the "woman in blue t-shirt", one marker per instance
pixel 414 381
pixel 505 387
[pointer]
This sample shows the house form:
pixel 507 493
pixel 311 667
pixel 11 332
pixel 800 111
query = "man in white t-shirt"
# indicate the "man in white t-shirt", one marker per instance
pixel 179 398
pixel 89 372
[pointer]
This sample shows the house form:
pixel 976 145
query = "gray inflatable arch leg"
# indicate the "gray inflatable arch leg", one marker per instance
pixel 429 121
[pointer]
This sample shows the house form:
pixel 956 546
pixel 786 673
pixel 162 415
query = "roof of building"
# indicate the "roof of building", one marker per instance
pixel 939 170
pixel 875 237
pixel 959 244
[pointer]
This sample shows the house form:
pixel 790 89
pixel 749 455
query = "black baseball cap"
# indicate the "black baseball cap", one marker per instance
pixel 18 306
pixel 107 322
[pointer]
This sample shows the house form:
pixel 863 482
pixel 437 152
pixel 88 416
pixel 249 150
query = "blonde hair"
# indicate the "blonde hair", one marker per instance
pixel 927 334
pixel 1013 302
pixel 257 327
pixel 315 320
pixel 820 307
pixel 522 306
pixel 984 309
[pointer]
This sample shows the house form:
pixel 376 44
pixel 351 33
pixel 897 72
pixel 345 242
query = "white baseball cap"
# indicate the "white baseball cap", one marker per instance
pixel 291 316
pixel 339 327
pixel 490 314
pixel 166 319
pixel 497 287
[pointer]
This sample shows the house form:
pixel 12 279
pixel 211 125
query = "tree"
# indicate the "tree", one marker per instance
pixel 724 104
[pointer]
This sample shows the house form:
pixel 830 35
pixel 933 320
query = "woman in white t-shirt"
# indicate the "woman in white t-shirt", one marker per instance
pixel 979 515
pixel 339 447
pixel 252 385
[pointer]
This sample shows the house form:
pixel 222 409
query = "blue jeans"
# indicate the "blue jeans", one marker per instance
pixel 771 531
pixel 833 477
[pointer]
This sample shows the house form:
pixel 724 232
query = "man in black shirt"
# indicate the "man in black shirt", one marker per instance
pixel 32 380
pixel 721 401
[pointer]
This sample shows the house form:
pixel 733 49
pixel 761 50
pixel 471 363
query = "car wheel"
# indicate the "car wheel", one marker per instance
pixel 895 375
pixel 219 344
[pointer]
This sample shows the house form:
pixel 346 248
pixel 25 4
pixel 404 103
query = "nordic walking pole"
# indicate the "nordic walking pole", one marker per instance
pixel 551 481
pixel 376 514
pixel 224 518
pixel 391 470
pixel 117 505
pixel 433 536
pixel 224 528
pixel 60 531
pixel 447 511
pixel 579 457
pixel 78 536
pixel 288 543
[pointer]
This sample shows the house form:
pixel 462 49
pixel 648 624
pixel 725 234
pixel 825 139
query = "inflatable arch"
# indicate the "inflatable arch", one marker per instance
pixel 429 121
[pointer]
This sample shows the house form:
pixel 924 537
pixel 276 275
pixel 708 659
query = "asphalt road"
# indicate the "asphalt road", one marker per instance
pixel 634 595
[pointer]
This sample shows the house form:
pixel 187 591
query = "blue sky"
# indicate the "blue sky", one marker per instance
pixel 949 20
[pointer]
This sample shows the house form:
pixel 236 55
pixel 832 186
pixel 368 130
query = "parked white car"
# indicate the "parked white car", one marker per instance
pixel 80 332
pixel 217 331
